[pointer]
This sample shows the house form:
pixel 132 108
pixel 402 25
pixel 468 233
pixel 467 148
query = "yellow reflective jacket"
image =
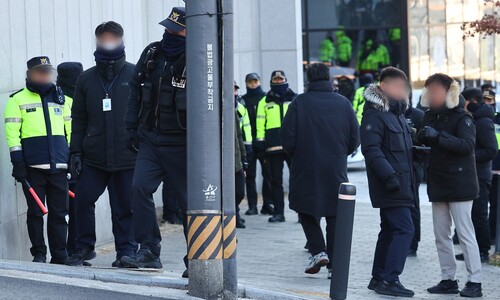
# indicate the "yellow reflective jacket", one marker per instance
pixel 270 113
pixel 358 103
pixel 245 125
pixel 38 129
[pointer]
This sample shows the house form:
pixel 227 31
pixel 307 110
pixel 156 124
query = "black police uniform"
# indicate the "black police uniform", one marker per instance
pixel 157 111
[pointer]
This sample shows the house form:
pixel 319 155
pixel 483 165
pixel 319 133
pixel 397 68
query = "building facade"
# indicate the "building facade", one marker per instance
pixel 64 31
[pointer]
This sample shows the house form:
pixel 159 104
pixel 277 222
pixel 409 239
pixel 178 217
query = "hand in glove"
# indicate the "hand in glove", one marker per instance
pixel 244 162
pixel 75 165
pixel 19 171
pixel 133 141
pixel 391 183
pixel 428 134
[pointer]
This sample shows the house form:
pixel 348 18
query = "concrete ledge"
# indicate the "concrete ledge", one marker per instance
pixel 141 278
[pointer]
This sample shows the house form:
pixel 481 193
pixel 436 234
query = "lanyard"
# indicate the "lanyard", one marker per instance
pixel 107 90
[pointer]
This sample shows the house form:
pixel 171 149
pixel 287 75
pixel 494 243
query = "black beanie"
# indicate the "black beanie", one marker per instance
pixel 67 75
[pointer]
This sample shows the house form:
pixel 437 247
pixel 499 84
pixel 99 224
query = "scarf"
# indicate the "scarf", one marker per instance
pixel 255 92
pixel 279 88
pixel 43 89
pixel 172 45
pixel 102 54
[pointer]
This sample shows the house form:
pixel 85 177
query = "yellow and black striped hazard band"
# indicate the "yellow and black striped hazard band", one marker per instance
pixel 204 237
pixel 229 236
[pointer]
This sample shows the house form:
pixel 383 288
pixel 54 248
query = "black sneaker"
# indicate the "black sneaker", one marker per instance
pixel 142 259
pixel 80 256
pixel 445 287
pixel 374 282
pixel 277 219
pixel 267 210
pixel 185 274
pixel 472 290
pixel 395 289
pixel 40 258
pixel 252 211
pixel 412 253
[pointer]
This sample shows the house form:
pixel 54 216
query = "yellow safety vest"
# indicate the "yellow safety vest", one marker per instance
pixel 37 130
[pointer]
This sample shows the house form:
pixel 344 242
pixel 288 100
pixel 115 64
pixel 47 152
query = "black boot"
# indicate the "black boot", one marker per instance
pixel 80 256
pixel 445 287
pixel 395 289
pixel 472 290
pixel 40 258
pixel 267 210
pixel 374 282
pixel 142 259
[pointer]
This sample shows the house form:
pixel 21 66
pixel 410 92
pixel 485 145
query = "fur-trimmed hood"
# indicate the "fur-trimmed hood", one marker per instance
pixel 452 97
pixel 373 95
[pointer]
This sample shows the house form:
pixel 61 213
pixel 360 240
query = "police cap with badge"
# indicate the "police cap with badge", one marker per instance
pixel 176 21
pixel 40 63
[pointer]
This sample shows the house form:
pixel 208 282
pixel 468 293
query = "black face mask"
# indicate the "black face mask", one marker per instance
pixel 474 106
pixel 398 106
pixel 279 88
pixel 173 45
pixel 40 88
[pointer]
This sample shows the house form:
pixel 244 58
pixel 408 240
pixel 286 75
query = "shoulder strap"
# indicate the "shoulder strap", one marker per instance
pixel 149 63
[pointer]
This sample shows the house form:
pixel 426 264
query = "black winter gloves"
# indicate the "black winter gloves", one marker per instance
pixel 428 135
pixel 391 183
pixel 133 141
pixel 75 165
pixel 19 171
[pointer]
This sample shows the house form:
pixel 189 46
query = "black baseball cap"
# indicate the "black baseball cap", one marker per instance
pixel 41 63
pixel 236 85
pixel 278 73
pixel 252 76
pixel 176 21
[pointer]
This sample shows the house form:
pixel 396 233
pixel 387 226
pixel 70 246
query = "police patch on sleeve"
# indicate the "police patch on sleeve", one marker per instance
pixel 368 127
pixel 468 122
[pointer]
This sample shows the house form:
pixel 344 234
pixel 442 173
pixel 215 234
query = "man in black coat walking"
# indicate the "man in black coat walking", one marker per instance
pixel 319 131
pixel 99 155
pixel 386 143
pixel 452 183
pixel 486 150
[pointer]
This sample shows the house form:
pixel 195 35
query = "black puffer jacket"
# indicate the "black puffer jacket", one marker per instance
pixel 486 141
pixel 101 135
pixel 451 175
pixel 386 143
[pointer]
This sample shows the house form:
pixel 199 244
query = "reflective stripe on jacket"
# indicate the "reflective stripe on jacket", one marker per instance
pixel 38 129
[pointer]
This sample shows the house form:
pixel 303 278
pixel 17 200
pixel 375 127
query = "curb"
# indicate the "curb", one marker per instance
pixel 133 278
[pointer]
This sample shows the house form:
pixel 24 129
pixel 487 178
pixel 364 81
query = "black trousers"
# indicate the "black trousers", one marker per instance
pixel 315 237
pixel 155 164
pixel 276 163
pixel 92 184
pixel 480 217
pixel 52 189
pixel 415 217
pixel 251 181
pixel 170 205
pixel 493 208
pixel 394 240
pixel 71 245
pixel 239 190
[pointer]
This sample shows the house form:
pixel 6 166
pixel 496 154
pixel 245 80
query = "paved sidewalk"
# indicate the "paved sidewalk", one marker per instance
pixel 272 257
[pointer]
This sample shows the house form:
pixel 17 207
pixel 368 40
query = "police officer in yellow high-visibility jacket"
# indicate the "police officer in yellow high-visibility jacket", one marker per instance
pixel 270 113
pixel 38 128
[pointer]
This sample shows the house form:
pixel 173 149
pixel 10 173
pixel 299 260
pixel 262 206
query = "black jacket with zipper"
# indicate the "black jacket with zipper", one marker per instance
pixel 157 108
pixel 100 136
pixel 386 143
pixel 486 141
pixel 451 174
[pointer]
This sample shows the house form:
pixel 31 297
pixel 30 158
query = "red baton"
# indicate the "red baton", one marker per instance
pixel 71 194
pixel 37 199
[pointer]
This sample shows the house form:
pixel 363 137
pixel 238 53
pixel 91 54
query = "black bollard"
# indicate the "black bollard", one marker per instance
pixel 343 238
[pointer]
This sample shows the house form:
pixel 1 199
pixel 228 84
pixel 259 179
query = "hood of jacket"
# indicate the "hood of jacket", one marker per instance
pixel 376 98
pixel 452 97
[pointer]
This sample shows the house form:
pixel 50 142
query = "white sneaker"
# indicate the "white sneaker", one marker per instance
pixel 316 262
